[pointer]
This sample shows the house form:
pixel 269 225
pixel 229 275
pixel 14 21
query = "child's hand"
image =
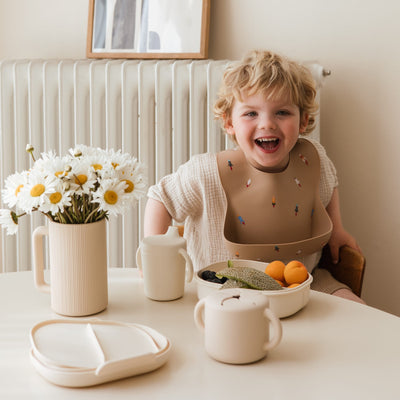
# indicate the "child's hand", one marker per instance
pixel 340 237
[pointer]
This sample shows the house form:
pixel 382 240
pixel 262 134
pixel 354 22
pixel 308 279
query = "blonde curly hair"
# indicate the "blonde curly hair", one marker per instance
pixel 273 75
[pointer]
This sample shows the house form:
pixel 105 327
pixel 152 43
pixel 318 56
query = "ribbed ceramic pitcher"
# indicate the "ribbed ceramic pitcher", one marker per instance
pixel 78 266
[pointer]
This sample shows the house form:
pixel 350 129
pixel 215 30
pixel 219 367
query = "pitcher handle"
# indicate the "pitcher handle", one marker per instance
pixel 38 260
pixel 139 261
pixel 189 265
pixel 276 327
pixel 198 315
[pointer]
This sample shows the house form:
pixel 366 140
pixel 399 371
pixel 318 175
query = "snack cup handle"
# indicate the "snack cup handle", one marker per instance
pixel 276 327
pixel 189 265
pixel 139 261
pixel 38 262
pixel 198 315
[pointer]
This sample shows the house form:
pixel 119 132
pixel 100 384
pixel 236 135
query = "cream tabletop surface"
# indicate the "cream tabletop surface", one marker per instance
pixel 331 349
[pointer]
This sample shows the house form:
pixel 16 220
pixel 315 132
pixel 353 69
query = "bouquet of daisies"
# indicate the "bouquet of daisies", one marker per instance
pixel 86 185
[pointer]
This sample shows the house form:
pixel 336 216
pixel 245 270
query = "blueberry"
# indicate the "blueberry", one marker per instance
pixel 210 277
pixel 220 280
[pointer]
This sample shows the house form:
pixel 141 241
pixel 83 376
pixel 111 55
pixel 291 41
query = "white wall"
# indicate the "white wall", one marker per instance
pixel 357 39
pixel 43 28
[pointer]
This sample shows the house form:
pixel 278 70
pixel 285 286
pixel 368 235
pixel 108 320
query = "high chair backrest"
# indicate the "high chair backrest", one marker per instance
pixel 350 268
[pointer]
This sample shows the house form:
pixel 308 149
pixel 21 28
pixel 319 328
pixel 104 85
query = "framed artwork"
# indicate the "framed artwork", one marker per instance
pixel 148 29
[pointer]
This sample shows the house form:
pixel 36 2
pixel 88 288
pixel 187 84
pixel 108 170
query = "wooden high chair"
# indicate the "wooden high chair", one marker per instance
pixel 350 268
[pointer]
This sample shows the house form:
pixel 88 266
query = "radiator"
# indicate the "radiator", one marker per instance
pixel 158 111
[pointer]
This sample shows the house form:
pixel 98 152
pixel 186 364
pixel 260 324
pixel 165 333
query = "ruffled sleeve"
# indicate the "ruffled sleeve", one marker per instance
pixel 182 192
pixel 328 179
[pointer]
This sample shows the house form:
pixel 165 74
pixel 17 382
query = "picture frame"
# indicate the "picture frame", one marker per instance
pixel 148 29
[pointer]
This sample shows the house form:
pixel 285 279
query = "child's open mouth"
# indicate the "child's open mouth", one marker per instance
pixel 267 144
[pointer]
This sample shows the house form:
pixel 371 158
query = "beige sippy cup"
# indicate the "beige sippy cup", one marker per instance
pixel 165 265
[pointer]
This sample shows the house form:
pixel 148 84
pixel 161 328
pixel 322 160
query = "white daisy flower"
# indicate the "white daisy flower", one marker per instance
pixel 82 177
pixel 113 159
pixel 9 221
pixel 82 150
pixel 133 174
pixel 52 164
pixel 118 159
pixel 57 200
pixel 35 192
pixel 111 196
pixel 12 188
pixel 98 163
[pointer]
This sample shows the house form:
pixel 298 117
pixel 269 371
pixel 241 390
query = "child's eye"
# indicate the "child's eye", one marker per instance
pixel 283 112
pixel 251 114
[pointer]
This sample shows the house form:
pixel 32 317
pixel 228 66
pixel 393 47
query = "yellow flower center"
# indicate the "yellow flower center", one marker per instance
pixel 55 197
pixel 58 173
pixel 110 197
pixel 37 190
pixel 130 187
pixel 114 164
pixel 81 179
pixel 97 167
pixel 18 189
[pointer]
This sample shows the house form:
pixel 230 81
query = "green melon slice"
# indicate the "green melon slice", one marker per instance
pixel 252 277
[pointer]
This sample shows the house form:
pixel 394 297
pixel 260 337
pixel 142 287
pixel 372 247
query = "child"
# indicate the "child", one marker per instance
pixel 265 102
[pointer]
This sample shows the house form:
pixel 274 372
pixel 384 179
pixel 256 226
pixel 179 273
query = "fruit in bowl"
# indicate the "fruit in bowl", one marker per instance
pixel 285 297
pixel 276 276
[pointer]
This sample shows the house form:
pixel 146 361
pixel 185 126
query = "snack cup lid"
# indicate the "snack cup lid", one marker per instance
pixel 237 300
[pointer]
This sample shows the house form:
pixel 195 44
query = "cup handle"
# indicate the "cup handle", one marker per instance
pixel 139 261
pixel 198 315
pixel 276 327
pixel 189 265
pixel 38 261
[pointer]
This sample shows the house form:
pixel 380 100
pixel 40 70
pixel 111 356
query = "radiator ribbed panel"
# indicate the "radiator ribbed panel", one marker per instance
pixel 159 111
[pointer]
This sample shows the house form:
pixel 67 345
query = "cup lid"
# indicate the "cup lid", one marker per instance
pixel 237 299
pixel 170 238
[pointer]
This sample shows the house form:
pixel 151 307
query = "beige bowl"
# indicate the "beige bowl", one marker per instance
pixel 283 302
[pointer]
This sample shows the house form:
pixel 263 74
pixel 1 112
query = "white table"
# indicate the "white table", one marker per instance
pixel 332 349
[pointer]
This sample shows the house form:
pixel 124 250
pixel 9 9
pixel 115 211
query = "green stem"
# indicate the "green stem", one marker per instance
pixel 48 215
pixel 92 213
pixel 61 218
pixel 66 216
pixel 102 215
pixel 77 212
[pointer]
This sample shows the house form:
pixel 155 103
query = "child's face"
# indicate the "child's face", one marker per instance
pixel 266 130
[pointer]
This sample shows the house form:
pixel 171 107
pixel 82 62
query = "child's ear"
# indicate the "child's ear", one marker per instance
pixel 303 123
pixel 228 125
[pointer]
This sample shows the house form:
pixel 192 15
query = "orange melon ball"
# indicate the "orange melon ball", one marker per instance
pixel 283 284
pixel 275 270
pixel 295 272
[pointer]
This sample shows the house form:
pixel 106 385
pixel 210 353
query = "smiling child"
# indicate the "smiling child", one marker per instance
pixel 273 197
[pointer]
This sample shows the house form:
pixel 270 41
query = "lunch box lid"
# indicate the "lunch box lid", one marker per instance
pixel 85 352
